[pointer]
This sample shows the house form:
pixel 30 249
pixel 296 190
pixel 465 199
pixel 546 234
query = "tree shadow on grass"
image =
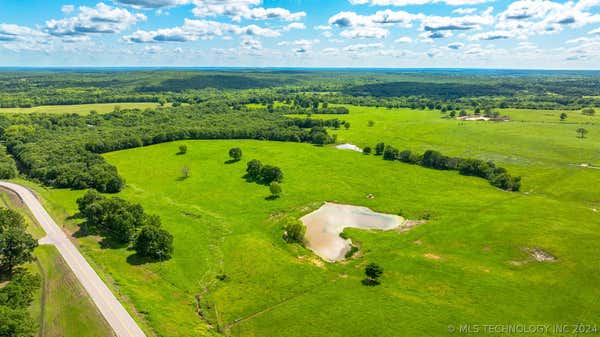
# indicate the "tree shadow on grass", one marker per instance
pixel 370 282
pixel 182 178
pixel 138 260
pixel 272 197
pixel 231 161
pixel 109 243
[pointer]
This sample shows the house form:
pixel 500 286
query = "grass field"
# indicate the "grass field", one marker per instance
pixel 62 307
pixel 79 108
pixel 466 265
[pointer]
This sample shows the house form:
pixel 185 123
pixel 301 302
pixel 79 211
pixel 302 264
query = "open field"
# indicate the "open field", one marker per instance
pixel 467 264
pixel 82 109
pixel 62 307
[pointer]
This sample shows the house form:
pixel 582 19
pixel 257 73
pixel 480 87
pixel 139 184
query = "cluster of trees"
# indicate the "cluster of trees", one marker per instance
pixel 265 174
pixel 126 223
pixel 16 248
pixel 64 150
pixel 497 176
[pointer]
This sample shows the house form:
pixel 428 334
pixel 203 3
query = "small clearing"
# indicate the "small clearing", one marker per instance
pixel 348 146
pixel 323 227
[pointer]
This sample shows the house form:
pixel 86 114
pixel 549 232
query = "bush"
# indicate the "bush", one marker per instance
pixel 379 149
pixel 588 111
pixel 390 153
pixel 367 150
pixel 294 232
pixel 269 174
pixel 275 189
pixel 183 149
pixel 253 169
pixel 235 153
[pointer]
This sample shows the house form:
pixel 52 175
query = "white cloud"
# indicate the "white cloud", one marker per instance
pixel 365 33
pixel 66 9
pixel 362 46
pixel 193 30
pixel 243 9
pixel 152 4
pixel 539 17
pixel 493 35
pixel 404 39
pixel 448 23
pixel 294 25
pixel 464 11
pixel 102 19
pixel 416 2
pixel 595 31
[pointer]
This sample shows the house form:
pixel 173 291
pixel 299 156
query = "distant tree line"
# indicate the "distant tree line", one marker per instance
pixel 497 176
pixel 64 150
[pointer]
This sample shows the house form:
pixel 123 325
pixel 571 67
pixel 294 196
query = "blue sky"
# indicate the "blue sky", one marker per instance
pixel 302 33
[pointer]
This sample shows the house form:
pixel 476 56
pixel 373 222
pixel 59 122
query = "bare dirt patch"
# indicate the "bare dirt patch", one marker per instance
pixel 432 256
pixel 535 255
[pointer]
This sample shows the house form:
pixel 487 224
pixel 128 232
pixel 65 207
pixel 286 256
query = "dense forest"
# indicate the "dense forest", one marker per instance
pixel 463 89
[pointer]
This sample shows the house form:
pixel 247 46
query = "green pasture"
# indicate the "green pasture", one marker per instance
pixel 466 265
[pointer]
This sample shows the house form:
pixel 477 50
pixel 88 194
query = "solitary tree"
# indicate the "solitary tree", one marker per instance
pixel 367 150
pixel 183 149
pixel 235 153
pixel 347 125
pixel 371 123
pixel 373 272
pixel 452 114
pixel 582 132
pixel 275 189
pixel 563 116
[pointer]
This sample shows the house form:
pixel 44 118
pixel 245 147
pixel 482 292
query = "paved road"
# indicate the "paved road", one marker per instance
pixel 112 310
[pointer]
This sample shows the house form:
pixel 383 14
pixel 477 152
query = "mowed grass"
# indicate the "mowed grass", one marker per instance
pixel 465 265
pixel 67 308
pixel 82 109
pixel 62 307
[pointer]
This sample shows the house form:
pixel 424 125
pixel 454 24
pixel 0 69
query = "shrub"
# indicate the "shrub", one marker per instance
pixel 235 153
pixel 183 149
pixel 275 189
pixel 367 150
pixel 294 232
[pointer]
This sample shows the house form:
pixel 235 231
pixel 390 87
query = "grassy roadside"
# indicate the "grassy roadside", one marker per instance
pixel 62 307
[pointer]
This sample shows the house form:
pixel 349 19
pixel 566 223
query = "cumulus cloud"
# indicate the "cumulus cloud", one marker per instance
pixel 362 46
pixel 102 19
pixel 538 17
pixel 243 9
pixel 449 23
pixel 493 35
pixel 153 4
pixel 464 11
pixel 365 33
pixel 193 30
pixel 403 39
pixel 294 25
pixel 416 2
